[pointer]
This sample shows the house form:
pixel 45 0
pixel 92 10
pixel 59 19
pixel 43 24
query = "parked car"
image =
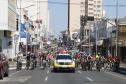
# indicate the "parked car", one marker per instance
pixel 4 66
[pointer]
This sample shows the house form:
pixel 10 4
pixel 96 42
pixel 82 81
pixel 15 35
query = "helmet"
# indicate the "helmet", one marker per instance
pixel 28 52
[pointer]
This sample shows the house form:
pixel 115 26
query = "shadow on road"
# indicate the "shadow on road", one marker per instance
pixel 61 71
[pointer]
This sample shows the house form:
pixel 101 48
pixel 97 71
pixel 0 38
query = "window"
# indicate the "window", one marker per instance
pixel 90 13
pixel 82 3
pixel 63 57
pixel 90 4
pixel 90 8
pixel 98 5
pixel 99 1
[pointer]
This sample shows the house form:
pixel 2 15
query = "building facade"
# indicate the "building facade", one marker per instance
pixel 94 10
pixel 7 26
pixel 74 16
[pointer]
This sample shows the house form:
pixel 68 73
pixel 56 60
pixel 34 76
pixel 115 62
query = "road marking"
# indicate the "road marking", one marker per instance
pixel 115 75
pixel 16 79
pixel 14 73
pixel 13 68
pixel 89 79
pixel 79 72
pixel 46 78
pixel 47 72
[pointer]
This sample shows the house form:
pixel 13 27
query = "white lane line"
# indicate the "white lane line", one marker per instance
pixel 46 78
pixel 89 79
pixel 47 72
pixel 79 72
pixel 13 68
pixel 14 73
pixel 115 75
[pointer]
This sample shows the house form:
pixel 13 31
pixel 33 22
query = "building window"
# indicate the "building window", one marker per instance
pixel 99 6
pixel 90 8
pixel 90 4
pixel 90 13
pixel 82 3
pixel 99 1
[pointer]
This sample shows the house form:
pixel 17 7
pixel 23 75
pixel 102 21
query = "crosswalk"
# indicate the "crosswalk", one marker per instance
pixel 11 80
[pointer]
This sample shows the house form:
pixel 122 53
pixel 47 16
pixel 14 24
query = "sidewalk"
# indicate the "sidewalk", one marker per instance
pixel 122 68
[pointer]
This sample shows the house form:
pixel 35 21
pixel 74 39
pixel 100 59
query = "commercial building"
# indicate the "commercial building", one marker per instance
pixel 7 26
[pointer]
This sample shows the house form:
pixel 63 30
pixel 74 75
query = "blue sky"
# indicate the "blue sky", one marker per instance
pixel 58 13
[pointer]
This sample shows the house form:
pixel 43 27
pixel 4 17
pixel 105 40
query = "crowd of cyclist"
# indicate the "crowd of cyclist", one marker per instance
pixel 97 61
pixel 32 60
pixel 84 61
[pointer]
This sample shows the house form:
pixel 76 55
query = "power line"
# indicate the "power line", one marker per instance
pixel 65 3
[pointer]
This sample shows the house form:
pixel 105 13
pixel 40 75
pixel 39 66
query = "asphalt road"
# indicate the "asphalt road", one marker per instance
pixel 39 76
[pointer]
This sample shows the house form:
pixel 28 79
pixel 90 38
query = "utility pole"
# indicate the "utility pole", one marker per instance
pixel 20 29
pixel 68 38
pixel 117 30
pixel 84 22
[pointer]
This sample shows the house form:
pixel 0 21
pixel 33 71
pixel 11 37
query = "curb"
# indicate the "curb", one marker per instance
pixel 122 70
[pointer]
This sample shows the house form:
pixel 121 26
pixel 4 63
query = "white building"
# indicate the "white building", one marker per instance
pixel 74 16
pixel 7 27
pixel 94 8
pixel 37 11
pixel 77 8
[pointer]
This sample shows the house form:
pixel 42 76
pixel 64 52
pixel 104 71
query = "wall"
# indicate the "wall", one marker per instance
pixel 3 14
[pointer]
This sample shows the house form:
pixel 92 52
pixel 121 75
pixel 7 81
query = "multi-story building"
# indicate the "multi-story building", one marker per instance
pixel 74 16
pixel 7 26
pixel 38 13
pixel 94 8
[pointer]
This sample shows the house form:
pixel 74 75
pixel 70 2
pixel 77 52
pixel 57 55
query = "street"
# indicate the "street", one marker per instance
pixel 39 76
pixel 39 37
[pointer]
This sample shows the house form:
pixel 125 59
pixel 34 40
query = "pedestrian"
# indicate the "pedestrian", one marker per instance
pixel 19 61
